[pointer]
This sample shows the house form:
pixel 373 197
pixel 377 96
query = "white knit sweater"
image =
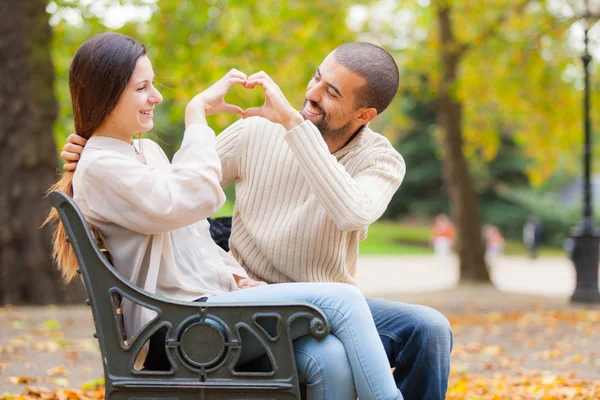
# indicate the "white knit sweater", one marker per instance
pixel 300 212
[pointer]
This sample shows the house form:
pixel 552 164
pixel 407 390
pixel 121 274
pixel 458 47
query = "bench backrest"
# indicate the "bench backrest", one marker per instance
pixel 204 340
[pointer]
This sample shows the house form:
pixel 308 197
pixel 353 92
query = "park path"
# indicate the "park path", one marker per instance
pixel 383 275
pixel 53 346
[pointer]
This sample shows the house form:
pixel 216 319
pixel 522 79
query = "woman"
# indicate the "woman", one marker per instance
pixel 152 216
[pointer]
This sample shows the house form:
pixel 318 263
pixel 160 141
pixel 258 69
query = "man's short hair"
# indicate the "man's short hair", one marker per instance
pixel 378 68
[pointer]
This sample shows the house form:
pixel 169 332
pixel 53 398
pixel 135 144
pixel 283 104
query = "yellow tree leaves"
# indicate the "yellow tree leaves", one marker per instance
pixel 520 75
pixel 193 43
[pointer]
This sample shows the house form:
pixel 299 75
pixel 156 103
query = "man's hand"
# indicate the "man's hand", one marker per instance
pixel 212 100
pixel 246 283
pixel 72 151
pixel 276 108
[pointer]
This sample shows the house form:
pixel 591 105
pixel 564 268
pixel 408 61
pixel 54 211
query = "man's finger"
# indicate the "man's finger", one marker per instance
pixel 269 87
pixel 265 81
pixel 249 84
pixel 76 139
pixel 260 75
pixel 253 112
pixel 73 148
pixel 235 73
pixel 264 84
pixel 234 81
pixel 70 166
pixel 68 156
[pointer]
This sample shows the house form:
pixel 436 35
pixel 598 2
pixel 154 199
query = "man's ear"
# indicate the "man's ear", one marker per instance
pixel 366 115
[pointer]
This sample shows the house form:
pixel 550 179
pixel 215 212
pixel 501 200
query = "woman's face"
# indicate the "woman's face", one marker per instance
pixel 134 111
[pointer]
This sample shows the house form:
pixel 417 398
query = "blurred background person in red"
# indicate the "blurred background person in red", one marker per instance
pixel 493 239
pixel 443 235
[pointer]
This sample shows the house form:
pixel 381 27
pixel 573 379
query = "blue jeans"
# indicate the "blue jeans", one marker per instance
pixel 418 342
pixel 322 365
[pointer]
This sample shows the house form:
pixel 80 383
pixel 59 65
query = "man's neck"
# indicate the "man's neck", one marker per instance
pixel 340 144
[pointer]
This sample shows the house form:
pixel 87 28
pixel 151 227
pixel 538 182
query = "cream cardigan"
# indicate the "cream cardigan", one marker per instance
pixel 153 216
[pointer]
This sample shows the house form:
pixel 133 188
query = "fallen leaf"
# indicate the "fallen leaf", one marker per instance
pixel 57 371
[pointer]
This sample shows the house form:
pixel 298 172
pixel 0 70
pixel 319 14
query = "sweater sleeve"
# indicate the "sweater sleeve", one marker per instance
pixel 231 146
pixel 151 199
pixel 352 202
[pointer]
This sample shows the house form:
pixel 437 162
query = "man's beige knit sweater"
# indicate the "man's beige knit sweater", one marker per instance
pixel 300 212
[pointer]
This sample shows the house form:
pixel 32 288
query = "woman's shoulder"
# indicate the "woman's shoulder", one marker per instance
pixel 148 142
pixel 147 146
pixel 118 155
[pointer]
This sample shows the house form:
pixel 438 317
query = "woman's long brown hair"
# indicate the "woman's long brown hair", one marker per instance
pixel 99 73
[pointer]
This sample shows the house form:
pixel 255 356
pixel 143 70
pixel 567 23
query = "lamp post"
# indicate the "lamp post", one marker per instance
pixel 586 237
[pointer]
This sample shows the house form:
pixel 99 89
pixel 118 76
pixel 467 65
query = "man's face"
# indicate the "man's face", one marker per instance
pixel 329 102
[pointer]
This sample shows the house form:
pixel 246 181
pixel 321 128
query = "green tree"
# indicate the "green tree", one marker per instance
pixel 192 43
pixel 423 192
pixel 492 67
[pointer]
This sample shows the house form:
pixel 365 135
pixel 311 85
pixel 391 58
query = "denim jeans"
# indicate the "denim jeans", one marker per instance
pixel 322 365
pixel 418 342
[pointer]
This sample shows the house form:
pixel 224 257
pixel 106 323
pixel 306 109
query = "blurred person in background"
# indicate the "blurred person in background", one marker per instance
pixel 532 236
pixel 494 241
pixel 442 236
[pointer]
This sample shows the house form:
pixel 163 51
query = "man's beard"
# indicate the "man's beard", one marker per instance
pixel 334 134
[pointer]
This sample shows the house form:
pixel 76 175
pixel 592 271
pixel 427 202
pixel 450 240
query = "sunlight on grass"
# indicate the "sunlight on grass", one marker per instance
pixel 393 238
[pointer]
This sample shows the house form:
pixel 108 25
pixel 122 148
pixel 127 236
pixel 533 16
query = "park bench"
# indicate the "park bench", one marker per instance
pixel 204 342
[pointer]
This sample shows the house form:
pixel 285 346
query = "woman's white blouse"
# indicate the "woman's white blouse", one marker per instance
pixel 153 213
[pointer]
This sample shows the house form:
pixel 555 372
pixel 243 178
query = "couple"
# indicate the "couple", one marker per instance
pixel 307 186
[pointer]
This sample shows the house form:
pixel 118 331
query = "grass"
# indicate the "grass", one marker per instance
pixel 393 238
pixel 225 211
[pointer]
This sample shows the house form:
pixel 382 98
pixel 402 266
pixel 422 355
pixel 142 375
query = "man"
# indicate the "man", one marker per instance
pixel 309 184
pixel 532 235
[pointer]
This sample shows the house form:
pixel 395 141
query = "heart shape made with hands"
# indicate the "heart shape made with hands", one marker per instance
pixel 245 97
pixel 275 107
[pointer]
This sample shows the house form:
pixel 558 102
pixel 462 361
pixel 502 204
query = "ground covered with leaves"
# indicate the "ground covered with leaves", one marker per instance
pixel 506 346
pixel 537 354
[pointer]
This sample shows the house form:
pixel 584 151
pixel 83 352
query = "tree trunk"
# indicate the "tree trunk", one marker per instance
pixel 28 159
pixel 464 201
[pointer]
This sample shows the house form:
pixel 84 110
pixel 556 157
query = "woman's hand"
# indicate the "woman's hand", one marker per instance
pixel 212 100
pixel 246 283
